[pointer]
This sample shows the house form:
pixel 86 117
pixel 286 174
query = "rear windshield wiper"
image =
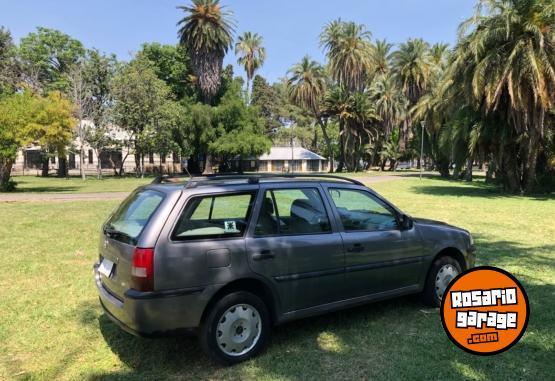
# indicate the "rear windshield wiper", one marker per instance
pixel 112 232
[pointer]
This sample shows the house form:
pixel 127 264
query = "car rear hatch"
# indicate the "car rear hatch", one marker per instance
pixel 122 263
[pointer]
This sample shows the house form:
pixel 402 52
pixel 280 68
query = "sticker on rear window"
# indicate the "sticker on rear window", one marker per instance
pixel 229 227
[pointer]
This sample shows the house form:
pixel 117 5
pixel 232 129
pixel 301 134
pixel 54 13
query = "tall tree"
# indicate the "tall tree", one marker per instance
pixel 505 65
pixel 206 34
pixel 307 88
pixel 9 71
pixel 389 101
pixel 265 97
pixel 251 55
pixel 349 52
pixel 99 71
pixel 239 128
pixel 413 67
pixel 54 127
pixel 80 94
pixel 140 97
pixel 17 112
pixel 381 55
pixel 47 57
pixel 172 65
pixel 356 116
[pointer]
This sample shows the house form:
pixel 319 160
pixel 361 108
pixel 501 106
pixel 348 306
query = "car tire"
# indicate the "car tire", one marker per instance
pixel 236 328
pixel 443 270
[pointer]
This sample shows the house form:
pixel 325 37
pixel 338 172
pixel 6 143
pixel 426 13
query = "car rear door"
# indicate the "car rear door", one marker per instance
pixel 123 232
pixel 379 255
pixel 294 243
pixel 204 243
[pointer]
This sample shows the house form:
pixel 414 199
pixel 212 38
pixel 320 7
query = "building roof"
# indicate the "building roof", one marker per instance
pixel 284 153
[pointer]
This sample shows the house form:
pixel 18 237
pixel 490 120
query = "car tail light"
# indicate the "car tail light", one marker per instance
pixel 142 269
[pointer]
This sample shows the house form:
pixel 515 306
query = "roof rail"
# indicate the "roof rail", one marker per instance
pixel 169 179
pixel 255 178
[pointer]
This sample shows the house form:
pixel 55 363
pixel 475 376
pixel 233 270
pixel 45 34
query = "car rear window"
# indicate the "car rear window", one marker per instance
pixel 130 218
pixel 215 216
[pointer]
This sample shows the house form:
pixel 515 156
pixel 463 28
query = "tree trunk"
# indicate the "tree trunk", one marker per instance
pixel 442 167
pixel 328 143
pixel 82 162
pixel 143 165
pixel 341 147
pixel 468 172
pixel 193 165
pixel 137 164
pixel 403 136
pixel 62 166
pixel 5 173
pixel 509 169
pixel 82 150
pixel 98 168
pixel 208 164
pixel 529 173
pixel 392 165
pixel 45 164
pixel 247 95
pixel 456 171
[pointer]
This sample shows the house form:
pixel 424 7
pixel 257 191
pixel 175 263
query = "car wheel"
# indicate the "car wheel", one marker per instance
pixel 442 272
pixel 236 328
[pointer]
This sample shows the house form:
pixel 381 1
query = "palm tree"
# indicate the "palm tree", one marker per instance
pixel 355 114
pixel 439 53
pixel 206 34
pixel 349 51
pixel 251 54
pixel 307 86
pixel 391 152
pixel 505 66
pixel 337 104
pixel 390 103
pixel 413 68
pixel 381 57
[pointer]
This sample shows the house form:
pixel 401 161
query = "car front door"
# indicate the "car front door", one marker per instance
pixel 379 255
pixel 295 244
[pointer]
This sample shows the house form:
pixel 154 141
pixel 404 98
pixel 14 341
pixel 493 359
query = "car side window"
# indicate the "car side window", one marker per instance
pixel 216 216
pixel 291 212
pixel 360 210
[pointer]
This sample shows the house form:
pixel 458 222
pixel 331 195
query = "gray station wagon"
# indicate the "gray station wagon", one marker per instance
pixel 229 256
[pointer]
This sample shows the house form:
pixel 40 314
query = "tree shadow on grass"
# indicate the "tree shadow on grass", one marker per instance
pixel 473 190
pixel 395 339
pixel 47 189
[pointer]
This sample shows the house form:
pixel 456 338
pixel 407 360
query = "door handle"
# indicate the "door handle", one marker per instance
pixel 356 248
pixel 264 254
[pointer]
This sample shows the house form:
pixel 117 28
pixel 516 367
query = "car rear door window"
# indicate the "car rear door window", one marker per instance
pixel 214 216
pixel 292 211
pixel 359 210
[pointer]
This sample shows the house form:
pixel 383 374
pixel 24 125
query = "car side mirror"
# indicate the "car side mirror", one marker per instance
pixel 405 221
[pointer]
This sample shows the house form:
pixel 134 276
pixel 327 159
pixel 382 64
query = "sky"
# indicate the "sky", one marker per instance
pixel 290 28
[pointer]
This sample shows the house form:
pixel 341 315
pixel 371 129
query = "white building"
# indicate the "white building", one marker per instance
pixel 29 159
pixel 283 159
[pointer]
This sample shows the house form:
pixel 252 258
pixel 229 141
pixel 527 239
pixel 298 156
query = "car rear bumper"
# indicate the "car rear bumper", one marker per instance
pixel 154 313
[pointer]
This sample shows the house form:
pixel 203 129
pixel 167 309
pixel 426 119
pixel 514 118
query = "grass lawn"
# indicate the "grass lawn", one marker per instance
pixel 74 184
pixel 51 326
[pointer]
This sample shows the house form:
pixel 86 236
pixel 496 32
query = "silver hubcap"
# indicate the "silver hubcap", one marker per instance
pixel 238 330
pixel 445 275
